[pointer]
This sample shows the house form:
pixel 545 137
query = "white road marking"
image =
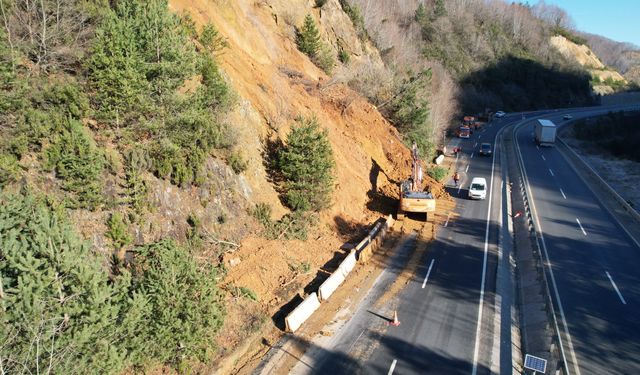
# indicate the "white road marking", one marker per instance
pixel 550 171
pixel 538 147
pixel 447 222
pixel 614 287
pixel 542 156
pixel 476 350
pixel 466 169
pixel 581 228
pixel 426 278
pixel 393 367
pixel 471 157
pixel 353 343
pixel 475 144
pixel 564 196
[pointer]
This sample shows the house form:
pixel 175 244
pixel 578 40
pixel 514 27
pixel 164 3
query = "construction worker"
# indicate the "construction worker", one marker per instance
pixel 456 178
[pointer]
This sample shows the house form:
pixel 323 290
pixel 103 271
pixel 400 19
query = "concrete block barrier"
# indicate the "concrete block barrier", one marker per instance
pixel 330 285
pixel 347 264
pixel 300 314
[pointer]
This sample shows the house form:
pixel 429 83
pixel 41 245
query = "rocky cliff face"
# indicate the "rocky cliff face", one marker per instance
pixel 584 56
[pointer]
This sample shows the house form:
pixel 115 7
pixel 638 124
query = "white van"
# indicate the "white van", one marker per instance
pixel 478 188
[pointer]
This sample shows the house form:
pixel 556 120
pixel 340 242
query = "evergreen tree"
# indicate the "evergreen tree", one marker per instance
pixel 309 37
pixel 185 307
pixel 439 9
pixel 58 306
pixel 306 162
pixel 76 160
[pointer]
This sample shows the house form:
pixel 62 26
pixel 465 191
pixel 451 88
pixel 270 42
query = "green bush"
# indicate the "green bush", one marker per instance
pixel 306 163
pixel 308 37
pixel 354 13
pixel 211 39
pixel 325 59
pixel 237 162
pixel 9 169
pixel 78 163
pixel 437 173
pixel 118 231
pixel 344 56
pixel 320 3
pixel 185 308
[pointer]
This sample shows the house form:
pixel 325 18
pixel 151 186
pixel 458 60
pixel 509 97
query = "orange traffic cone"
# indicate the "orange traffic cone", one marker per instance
pixel 395 322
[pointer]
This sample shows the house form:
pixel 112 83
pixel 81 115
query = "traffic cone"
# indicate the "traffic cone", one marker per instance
pixel 395 322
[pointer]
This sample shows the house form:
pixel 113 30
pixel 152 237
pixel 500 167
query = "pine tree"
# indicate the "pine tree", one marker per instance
pixel 309 37
pixel 56 295
pixel 185 306
pixel 306 162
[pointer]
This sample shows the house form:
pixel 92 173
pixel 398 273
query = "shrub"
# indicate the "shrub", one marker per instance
pixel 237 162
pixel 118 231
pixel 306 163
pixel 77 162
pixel 325 60
pixel 320 3
pixel 344 56
pixel 9 169
pixel 308 37
pixel 437 173
pixel 354 13
pixel 211 39
pixel 185 308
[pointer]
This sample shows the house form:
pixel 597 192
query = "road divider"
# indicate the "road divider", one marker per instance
pixel 302 312
pixel 362 252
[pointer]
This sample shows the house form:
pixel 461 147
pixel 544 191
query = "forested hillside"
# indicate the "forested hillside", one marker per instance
pixel 498 53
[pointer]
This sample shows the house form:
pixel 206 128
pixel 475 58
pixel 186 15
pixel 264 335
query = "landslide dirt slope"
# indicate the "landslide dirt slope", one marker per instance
pixel 275 83
pixel 585 57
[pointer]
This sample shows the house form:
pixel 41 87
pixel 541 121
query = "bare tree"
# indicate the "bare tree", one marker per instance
pixel 50 33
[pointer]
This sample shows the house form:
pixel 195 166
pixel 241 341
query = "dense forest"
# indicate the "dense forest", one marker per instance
pixel 481 54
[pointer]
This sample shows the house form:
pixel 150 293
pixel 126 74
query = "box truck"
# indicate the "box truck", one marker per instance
pixel 545 132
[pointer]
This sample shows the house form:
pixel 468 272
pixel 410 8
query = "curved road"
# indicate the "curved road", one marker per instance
pixel 448 325
pixel 593 261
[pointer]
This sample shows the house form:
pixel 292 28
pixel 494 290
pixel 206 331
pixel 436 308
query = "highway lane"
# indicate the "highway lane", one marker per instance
pixel 440 333
pixel 593 261
pixel 439 308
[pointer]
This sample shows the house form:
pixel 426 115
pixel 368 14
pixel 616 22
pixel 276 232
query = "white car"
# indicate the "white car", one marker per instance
pixel 567 117
pixel 478 188
pixel 500 114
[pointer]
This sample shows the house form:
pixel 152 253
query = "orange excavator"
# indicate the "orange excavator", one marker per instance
pixel 413 198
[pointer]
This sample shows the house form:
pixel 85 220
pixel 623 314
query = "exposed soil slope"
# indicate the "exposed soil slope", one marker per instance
pixel 275 83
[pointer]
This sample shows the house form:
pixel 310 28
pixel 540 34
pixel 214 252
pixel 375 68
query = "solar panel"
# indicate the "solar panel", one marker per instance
pixel 534 363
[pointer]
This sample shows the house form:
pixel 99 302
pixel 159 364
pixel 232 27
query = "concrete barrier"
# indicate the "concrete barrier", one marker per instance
pixel 347 264
pixel 330 285
pixel 300 314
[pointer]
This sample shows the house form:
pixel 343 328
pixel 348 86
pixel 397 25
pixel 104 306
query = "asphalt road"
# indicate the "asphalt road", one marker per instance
pixel 439 309
pixel 594 264
pixel 447 308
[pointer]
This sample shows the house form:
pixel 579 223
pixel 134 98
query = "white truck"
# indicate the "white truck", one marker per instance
pixel 545 132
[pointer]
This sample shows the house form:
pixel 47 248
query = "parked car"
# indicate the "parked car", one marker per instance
pixel 486 149
pixel 478 188
pixel 567 117
pixel 500 114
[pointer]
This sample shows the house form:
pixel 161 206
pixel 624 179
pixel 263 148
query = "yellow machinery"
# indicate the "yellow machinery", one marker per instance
pixel 412 198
